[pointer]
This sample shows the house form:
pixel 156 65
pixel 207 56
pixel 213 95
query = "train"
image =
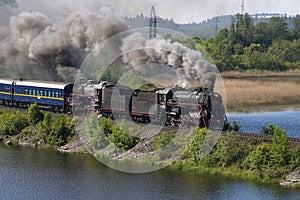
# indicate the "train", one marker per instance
pixel 170 106
pixel 21 93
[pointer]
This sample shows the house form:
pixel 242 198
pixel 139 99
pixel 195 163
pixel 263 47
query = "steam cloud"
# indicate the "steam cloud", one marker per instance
pixel 187 62
pixel 31 46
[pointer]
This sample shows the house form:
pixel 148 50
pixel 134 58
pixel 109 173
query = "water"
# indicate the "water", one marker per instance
pixel 253 122
pixel 27 173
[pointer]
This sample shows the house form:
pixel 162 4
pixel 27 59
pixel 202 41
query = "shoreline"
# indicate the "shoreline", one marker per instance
pixel 264 108
pixel 235 171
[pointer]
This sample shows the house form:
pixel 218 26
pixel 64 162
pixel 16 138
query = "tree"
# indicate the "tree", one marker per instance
pixel 261 34
pixel 241 30
pixel 121 139
pixel 296 30
pixel 193 151
pixel 280 148
pixel 96 139
pixel 12 123
pixel 276 155
pixel 278 29
pixel 35 115
pixel 62 129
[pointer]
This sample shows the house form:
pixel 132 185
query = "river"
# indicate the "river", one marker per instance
pixel 253 122
pixel 28 173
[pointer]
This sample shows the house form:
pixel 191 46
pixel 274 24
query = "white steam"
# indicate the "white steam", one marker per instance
pixel 34 46
pixel 189 63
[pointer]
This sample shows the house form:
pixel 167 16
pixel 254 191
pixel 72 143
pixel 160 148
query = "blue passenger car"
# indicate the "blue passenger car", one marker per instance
pixel 51 94
pixel 6 89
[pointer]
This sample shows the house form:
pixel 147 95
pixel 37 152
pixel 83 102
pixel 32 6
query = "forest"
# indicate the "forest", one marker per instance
pixel 248 47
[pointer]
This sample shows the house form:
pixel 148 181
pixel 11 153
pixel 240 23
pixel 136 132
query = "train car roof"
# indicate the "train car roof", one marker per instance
pixel 43 84
pixel 164 91
pixel 6 81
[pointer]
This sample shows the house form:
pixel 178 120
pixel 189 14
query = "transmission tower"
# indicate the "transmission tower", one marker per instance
pixel 152 24
pixel 243 7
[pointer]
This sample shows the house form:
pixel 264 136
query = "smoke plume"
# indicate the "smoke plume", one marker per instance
pixel 138 50
pixel 34 46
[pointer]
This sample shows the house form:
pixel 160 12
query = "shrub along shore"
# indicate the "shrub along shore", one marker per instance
pixel 263 162
pixel 256 161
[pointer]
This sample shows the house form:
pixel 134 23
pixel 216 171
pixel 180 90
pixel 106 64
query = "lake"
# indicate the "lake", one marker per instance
pixel 253 122
pixel 28 173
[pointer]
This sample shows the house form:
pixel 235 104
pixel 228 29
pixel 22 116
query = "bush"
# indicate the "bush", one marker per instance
pixel 228 126
pixel 95 136
pixel 272 160
pixel 162 140
pixel 227 151
pixel 12 122
pixel 193 151
pixel 122 139
pixel 35 115
pixel 106 124
pixel 268 130
pixel 62 129
pixel 118 134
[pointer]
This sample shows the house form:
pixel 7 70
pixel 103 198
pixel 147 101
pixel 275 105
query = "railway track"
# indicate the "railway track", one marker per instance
pixel 261 138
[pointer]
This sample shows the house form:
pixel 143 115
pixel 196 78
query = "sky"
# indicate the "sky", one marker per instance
pixel 182 11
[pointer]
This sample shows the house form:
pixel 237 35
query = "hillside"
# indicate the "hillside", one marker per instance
pixel 205 29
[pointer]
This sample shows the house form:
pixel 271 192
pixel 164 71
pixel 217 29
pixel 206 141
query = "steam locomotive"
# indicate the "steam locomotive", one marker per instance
pixel 172 106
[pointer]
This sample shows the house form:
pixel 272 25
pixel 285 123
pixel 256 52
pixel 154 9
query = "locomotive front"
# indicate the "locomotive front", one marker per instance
pixel 190 107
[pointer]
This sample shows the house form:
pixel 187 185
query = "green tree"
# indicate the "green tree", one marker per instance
pixel 163 139
pixel 106 124
pixel 193 151
pixel 121 139
pixel 296 29
pixel 277 29
pixel 259 159
pixel 35 115
pixel 62 129
pixel 95 136
pixel 261 35
pixel 12 122
pixel 241 30
pixel 276 155
pixel 280 148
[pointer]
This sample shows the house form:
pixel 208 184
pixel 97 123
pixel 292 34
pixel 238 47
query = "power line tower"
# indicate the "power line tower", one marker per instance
pixel 152 23
pixel 243 7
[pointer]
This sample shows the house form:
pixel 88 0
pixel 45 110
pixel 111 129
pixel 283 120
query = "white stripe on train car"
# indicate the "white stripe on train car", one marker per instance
pixel 53 85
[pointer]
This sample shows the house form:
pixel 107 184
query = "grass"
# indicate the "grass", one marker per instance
pixel 236 74
pixel 242 92
pixel 233 172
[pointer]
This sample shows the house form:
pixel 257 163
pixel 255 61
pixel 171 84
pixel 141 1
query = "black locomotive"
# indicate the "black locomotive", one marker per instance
pixel 174 106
